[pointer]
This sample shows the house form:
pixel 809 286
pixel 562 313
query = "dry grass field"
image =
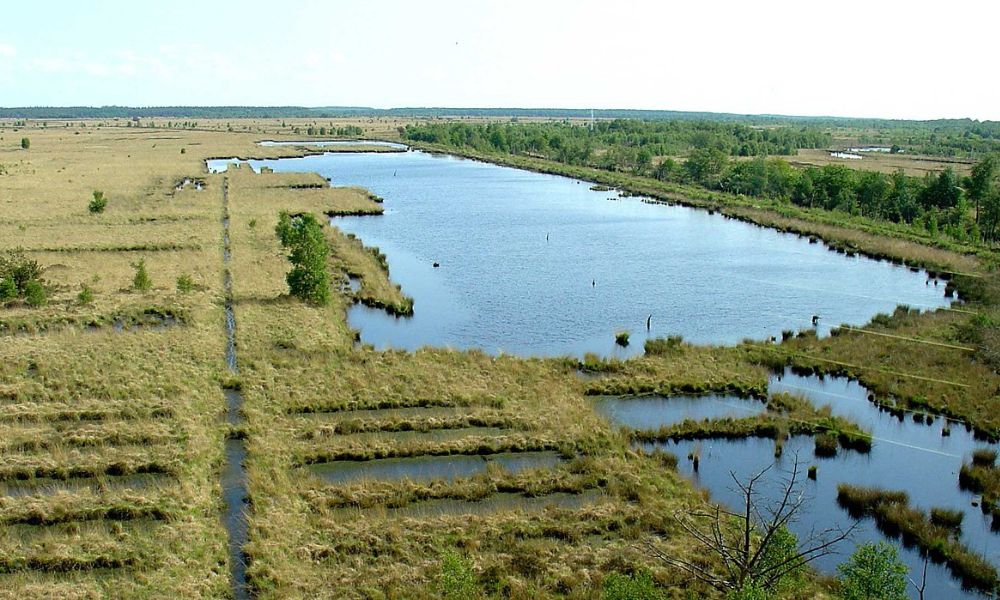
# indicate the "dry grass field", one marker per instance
pixel 912 164
pixel 112 410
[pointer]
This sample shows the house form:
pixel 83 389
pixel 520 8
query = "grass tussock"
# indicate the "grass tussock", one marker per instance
pixel 367 264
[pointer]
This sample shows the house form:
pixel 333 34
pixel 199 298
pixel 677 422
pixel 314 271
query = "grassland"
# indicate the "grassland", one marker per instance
pixel 911 164
pixel 117 431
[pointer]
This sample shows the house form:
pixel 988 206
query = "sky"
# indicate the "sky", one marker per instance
pixel 871 58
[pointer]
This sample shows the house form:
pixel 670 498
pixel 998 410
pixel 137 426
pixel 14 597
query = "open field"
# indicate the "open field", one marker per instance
pixel 111 411
pixel 911 164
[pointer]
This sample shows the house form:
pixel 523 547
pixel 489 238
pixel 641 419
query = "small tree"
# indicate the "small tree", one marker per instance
pixel 308 251
pixel 141 281
pixel 25 143
pixel 98 203
pixel 874 572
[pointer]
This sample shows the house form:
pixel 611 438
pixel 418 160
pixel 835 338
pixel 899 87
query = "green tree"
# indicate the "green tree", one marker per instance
pixel 141 281
pixel 25 143
pixel 307 249
pixel 981 183
pixel 873 194
pixel 705 165
pixel 941 191
pixel 873 572
pixel 989 222
pixel 456 581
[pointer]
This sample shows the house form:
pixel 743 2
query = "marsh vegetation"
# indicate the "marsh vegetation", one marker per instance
pixel 117 410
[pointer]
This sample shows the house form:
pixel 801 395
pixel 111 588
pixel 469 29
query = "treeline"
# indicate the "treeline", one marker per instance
pixel 966 209
pixel 346 131
pixel 957 137
pixel 620 143
pixel 145 112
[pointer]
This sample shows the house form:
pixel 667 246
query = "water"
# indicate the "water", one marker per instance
pixel 322 143
pixel 535 264
pixel 429 468
pixel 46 486
pixel 649 412
pixel 233 479
pixel 905 455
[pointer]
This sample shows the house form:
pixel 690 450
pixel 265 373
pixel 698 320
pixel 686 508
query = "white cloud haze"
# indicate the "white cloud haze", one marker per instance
pixel 851 58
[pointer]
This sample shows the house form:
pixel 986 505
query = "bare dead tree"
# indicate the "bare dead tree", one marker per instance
pixel 745 547
pixel 922 587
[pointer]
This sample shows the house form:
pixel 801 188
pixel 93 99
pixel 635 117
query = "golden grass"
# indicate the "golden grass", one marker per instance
pixel 911 164
pixel 111 402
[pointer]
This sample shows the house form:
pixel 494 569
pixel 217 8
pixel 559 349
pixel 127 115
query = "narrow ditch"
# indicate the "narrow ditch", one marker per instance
pixel 234 476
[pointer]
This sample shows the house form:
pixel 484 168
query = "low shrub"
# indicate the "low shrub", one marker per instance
pixel 185 284
pixel 35 294
pixel 141 281
pixel 98 203
pixel 86 295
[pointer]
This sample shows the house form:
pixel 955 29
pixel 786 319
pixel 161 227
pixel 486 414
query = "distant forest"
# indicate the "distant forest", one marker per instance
pixel 290 112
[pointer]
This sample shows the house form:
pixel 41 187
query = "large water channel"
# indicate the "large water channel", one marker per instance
pixel 535 264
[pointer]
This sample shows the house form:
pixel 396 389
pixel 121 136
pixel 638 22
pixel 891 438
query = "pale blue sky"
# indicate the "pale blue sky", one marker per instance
pixel 854 58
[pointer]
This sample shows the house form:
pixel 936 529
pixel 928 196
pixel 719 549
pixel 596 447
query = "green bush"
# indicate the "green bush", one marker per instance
pixel 14 265
pixel 35 294
pixel 86 295
pixel 8 289
pixel 621 338
pixel 873 572
pixel 25 143
pixel 639 586
pixel 141 281
pixel 98 203
pixel 21 277
pixel 185 284
pixel 456 581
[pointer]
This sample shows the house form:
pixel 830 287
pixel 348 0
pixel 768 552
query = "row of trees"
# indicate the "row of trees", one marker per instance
pixel 964 208
pixel 346 131
pixel 620 143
